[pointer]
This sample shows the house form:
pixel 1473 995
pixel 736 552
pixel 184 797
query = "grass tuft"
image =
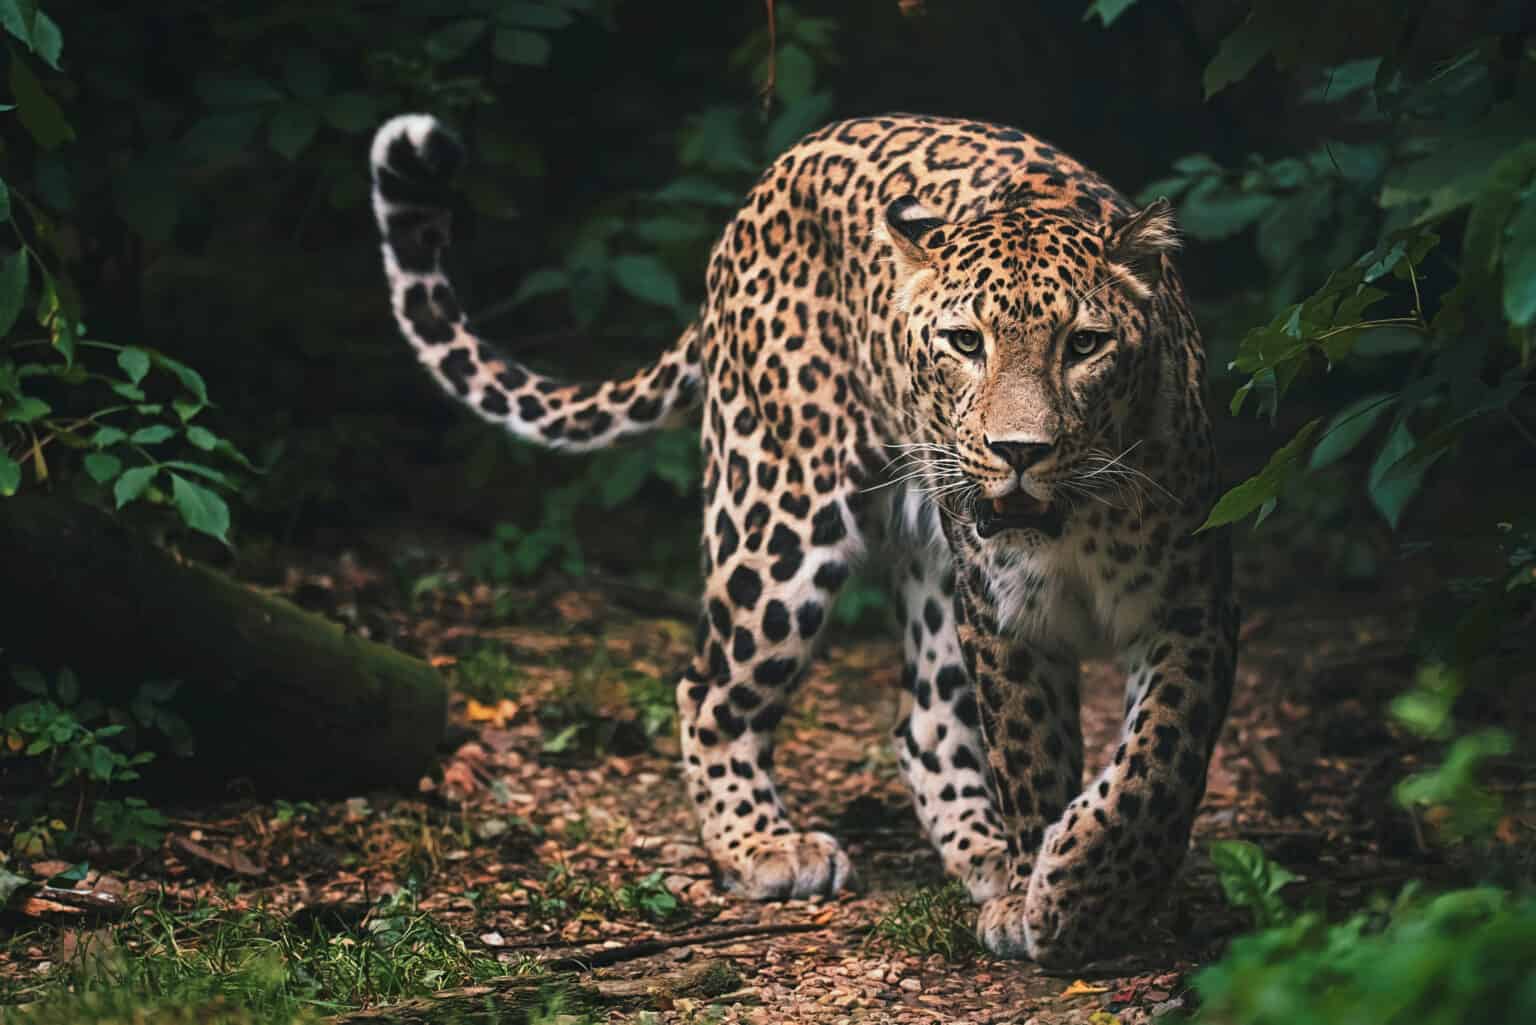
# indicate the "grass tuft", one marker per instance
pixel 933 920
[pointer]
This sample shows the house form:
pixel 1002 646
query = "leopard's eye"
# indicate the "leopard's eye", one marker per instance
pixel 1083 344
pixel 963 341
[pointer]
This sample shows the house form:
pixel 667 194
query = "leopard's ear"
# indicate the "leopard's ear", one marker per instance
pixel 906 226
pixel 1138 244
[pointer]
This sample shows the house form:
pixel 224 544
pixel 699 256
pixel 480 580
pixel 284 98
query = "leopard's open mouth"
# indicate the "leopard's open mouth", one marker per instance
pixel 1018 510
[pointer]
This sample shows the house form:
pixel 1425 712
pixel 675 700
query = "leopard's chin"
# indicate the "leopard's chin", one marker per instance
pixel 1018 510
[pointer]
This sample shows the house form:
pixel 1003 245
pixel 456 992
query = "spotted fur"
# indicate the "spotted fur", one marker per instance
pixel 950 336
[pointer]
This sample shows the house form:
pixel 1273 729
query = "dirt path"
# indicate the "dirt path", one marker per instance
pixel 557 828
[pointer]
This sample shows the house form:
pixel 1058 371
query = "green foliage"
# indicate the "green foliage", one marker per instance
pixel 1250 880
pixel 255 966
pixel 56 730
pixel 487 675
pixel 66 391
pixel 933 920
pixel 607 707
pixel 1459 957
pixel 565 894
pixel 1347 233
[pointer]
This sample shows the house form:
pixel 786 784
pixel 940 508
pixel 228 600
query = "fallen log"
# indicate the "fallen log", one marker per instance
pixel 273 694
pixel 517 998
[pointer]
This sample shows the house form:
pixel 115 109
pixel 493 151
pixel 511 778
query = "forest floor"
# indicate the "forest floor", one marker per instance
pixel 555 835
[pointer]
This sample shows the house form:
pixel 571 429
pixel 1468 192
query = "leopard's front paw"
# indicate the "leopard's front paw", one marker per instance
pixel 1001 927
pixel 788 867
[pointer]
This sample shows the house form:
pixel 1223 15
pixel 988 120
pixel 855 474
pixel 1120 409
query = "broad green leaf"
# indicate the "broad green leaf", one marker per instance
pixel 200 470
pixel 795 120
pixel 132 484
pixel 190 379
pixel 540 282
pixel 794 73
pixel 10 474
pixel 134 362
pixel 1213 210
pixel 40 113
pixel 1395 477
pixel 10 883
pixel 647 279
pixel 203 438
pixel 352 112
pixel 1520 262
pixel 201 509
pixel 698 191
pixel 292 129
pixel 1107 10
pixel 1239 53
pixel 13 289
pixel 154 434
pixel 22 19
pixel 1250 880
pixel 25 410
pixel 519 46
pixel 453 41
pixel 221 136
pixel 102 466
pixel 1348 428
pixel 1267 484
pixel 108 435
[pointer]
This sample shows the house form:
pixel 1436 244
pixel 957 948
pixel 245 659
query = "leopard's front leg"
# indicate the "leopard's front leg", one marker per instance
pixel 1027 694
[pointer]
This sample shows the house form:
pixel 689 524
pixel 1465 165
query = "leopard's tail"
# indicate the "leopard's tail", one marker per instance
pixel 414 157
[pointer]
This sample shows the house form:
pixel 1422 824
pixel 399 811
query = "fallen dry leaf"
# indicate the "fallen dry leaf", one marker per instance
pixel 1079 988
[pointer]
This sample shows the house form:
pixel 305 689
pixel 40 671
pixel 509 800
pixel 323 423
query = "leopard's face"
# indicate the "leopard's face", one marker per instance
pixel 1028 334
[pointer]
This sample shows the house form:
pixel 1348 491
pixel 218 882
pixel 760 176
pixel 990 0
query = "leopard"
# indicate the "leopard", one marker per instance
pixel 945 351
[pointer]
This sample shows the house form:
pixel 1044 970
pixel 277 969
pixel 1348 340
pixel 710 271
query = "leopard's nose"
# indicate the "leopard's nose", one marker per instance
pixel 1021 455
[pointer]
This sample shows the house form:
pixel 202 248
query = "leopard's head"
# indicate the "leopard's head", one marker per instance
pixel 1031 337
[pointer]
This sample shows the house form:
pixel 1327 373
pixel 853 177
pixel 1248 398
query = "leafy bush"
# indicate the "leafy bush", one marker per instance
pixel 933 920
pixel 56 731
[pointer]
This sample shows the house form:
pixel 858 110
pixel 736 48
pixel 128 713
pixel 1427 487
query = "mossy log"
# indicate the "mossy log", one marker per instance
pixel 274 695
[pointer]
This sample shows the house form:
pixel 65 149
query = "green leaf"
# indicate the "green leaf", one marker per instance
pixel 1395 476
pixel 1267 484
pixel 518 46
pixel 647 279
pixel 352 112
pixel 5 202
pixel 132 484
pixel 1348 428
pixel 292 129
pixel 22 19
pixel 1107 10
pixel 221 136
pixel 200 470
pixel 1250 880
pixel 190 379
pixel 13 289
pixel 40 113
pixel 108 435
pixel 201 437
pixel 102 466
pixel 453 41
pixel 134 362
pixel 540 282
pixel 25 410
pixel 1213 210
pixel 154 434
pixel 794 73
pixel 10 474
pixel 201 509
pixel 699 191
pixel 1520 262
pixel 10 883
pixel 1239 53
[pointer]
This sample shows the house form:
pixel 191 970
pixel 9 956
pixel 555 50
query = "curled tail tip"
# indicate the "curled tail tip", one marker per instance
pixel 415 148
